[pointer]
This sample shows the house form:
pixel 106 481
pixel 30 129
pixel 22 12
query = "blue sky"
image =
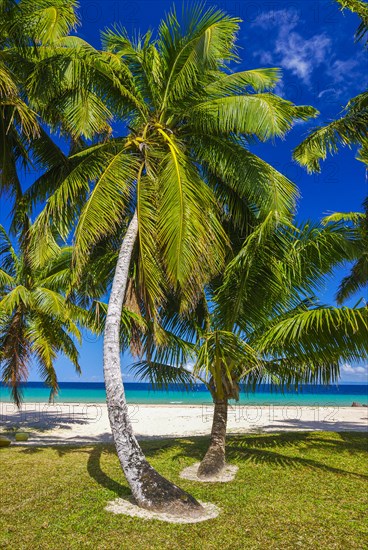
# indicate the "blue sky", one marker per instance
pixel 312 42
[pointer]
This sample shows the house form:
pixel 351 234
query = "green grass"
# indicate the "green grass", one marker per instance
pixel 299 490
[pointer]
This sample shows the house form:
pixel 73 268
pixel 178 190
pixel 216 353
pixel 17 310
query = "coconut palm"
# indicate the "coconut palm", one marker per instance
pixel 41 82
pixel 184 159
pixel 261 325
pixel 37 321
pixel 22 26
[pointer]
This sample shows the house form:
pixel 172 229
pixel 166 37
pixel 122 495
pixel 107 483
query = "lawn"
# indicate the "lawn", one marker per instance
pixel 300 490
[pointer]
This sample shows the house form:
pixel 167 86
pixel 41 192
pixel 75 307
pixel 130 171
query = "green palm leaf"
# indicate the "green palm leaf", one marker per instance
pixel 348 130
pixel 183 233
pixel 206 44
pixel 263 115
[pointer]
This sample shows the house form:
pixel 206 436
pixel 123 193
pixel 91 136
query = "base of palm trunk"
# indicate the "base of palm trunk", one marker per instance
pixel 213 462
pixel 158 494
pixel 129 508
pixel 226 474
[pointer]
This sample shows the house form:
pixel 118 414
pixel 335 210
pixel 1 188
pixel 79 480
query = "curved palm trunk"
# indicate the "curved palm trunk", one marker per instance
pixel 149 488
pixel 214 460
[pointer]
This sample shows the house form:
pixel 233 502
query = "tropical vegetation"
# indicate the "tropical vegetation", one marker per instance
pixel 261 323
pixel 351 128
pixel 37 321
pixel 357 279
pixel 189 233
pixel 188 118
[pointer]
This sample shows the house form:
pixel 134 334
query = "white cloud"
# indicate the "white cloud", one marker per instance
pixel 327 91
pixel 288 19
pixel 340 69
pixel 293 52
pixel 354 371
pixel 302 56
pixel 264 57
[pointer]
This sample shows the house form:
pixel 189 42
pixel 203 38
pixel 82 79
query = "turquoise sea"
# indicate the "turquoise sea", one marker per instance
pixel 74 392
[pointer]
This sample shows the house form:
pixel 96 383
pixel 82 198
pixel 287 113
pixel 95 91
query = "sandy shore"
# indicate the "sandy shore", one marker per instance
pixel 74 423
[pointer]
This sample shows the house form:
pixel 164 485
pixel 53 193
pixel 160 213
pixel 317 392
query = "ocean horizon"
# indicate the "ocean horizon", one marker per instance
pixel 342 395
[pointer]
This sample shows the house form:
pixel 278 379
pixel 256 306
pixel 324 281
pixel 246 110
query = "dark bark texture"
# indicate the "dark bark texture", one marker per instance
pixel 214 460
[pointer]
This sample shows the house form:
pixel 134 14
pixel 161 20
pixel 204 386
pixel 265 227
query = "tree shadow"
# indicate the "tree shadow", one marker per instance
pixel 263 456
pixel 260 449
pixel 95 471
pixel 43 417
pixel 94 468
pixel 350 441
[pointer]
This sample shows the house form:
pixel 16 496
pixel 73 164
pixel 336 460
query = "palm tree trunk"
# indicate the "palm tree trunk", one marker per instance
pixel 214 460
pixel 150 490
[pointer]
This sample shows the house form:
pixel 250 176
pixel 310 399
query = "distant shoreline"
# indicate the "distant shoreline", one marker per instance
pixel 144 394
pixel 26 405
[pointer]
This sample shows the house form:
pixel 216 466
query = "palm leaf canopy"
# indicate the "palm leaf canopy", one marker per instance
pixel 349 130
pixel 357 279
pixel 361 9
pixel 184 164
pixel 263 323
pixel 41 76
pixel 37 320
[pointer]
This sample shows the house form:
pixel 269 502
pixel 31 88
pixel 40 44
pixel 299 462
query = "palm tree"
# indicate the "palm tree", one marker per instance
pixel 37 321
pixel 261 325
pixel 40 84
pixel 184 159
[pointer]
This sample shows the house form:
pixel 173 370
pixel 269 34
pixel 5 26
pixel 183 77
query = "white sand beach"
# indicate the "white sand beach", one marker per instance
pixel 73 423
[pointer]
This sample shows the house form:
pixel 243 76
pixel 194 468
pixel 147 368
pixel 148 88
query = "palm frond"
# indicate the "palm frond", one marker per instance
pixel 107 203
pixel 356 281
pixel 262 115
pixel 322 332
pixel 184 232
pixel 14 353
pixel 16 297
pixel 361 9
pixel 206 43
pixel 249 176
pixel 258 80
pixel 350 129
pixel 161 375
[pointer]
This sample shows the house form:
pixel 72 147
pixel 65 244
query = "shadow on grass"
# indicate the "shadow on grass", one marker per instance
pixel 95 471
pixel 262 456
pixel 258 449
pixel 349 441
pixel 94 468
